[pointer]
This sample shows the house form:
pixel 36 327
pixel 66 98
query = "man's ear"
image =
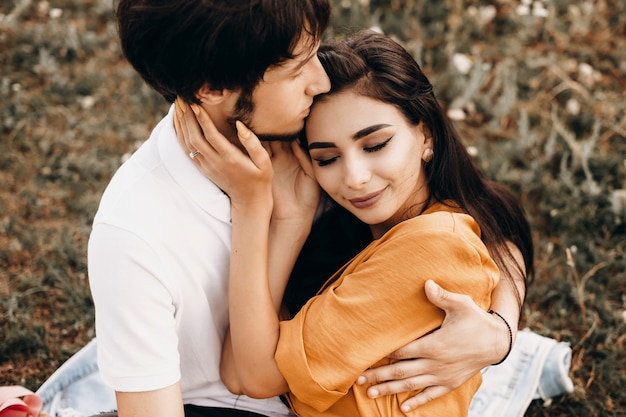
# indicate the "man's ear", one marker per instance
pixel 213 97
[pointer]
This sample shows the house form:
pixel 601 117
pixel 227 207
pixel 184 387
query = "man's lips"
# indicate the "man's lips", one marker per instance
pixel 367 200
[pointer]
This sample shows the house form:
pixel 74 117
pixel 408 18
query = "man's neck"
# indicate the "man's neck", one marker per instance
pixel 220 119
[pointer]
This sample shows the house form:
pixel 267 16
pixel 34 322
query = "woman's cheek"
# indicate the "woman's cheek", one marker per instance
pixel 322 177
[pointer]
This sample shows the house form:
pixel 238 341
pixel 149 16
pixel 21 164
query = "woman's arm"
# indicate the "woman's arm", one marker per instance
pixel 255 299
pixel 441 361
pixel 286 241
pixel 254 321
pixel 257 244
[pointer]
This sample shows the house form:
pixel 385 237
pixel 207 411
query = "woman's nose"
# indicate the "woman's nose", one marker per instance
pixel 356 174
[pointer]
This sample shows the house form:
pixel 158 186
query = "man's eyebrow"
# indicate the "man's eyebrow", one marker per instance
pixel 358 135
pixel 302 63
pixel 312 53
pixel 369 130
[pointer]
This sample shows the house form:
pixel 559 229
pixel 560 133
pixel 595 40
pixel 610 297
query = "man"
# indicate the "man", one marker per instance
pixel 159 249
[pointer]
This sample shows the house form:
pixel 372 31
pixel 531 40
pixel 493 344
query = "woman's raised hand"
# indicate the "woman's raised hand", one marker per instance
pixel 295 190
pixel 246 178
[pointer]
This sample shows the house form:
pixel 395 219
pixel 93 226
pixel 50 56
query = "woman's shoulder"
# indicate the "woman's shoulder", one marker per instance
pixel 440 218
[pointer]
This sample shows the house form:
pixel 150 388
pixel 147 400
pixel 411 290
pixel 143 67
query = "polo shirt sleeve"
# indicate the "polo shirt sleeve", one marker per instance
pixel 135 313
pixel 378 304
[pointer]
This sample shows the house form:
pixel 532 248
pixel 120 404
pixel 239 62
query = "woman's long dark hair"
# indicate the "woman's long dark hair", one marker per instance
pixel 375 66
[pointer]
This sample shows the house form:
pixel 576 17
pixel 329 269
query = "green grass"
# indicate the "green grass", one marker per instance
pixel 543 105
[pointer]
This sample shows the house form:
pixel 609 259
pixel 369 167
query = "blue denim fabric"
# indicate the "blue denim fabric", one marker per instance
pixel 76 389
pixel 555 378
pixel 538 367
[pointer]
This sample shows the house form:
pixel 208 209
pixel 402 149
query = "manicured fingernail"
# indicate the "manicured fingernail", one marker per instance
pixel 183 105
pixel 361 380
pixel 195 108
pixel 243 131
pixel 373 393
pixel 406 408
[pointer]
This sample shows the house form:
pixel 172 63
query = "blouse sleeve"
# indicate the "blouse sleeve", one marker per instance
pixel 378 304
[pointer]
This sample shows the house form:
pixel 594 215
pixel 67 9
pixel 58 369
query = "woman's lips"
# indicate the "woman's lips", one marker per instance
pixel 367 200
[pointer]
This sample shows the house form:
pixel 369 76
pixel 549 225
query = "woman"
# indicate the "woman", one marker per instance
pixel 382 148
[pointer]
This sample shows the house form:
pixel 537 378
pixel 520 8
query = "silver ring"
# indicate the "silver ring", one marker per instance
pixel 194 154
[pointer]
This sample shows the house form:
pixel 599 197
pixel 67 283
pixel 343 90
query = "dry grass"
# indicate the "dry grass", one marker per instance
pixel 540 96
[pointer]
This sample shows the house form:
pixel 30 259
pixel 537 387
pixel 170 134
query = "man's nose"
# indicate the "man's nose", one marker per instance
pixel 320 83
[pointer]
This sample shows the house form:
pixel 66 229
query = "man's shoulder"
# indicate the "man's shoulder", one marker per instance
pixel 134 183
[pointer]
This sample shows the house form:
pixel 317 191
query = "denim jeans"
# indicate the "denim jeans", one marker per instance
pixel 538 367
pixel 76 389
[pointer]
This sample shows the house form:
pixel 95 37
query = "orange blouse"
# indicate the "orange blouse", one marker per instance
pixel 377 304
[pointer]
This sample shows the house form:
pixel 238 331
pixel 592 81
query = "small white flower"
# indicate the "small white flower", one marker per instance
pixel 462 63
pixel 618 202
pixel 486 14
pixel 55 13
pixel 573 107
pixel 585 69
pixel 456 114
pixel 523 10
pixel 539 10
pixel 43 7
pixel 472 150
pixel 87 102
pixel 588 76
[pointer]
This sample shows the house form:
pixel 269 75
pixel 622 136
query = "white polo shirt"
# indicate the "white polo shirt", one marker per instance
pixel 158 260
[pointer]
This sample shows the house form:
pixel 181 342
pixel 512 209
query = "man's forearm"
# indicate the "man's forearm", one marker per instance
pixel 164 402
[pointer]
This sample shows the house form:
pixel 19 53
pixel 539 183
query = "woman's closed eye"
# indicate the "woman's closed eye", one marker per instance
pixel 325 161
pixel 377 147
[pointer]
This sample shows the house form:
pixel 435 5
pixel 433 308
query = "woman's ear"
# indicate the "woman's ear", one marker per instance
pixel 428 136
pixel 213 97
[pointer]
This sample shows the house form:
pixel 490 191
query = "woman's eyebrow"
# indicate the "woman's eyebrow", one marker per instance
pixel 369 130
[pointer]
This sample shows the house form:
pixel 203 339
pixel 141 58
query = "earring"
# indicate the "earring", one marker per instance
pixel 428 154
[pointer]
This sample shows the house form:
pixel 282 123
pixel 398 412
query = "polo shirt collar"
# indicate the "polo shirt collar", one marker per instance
pixel 199 188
